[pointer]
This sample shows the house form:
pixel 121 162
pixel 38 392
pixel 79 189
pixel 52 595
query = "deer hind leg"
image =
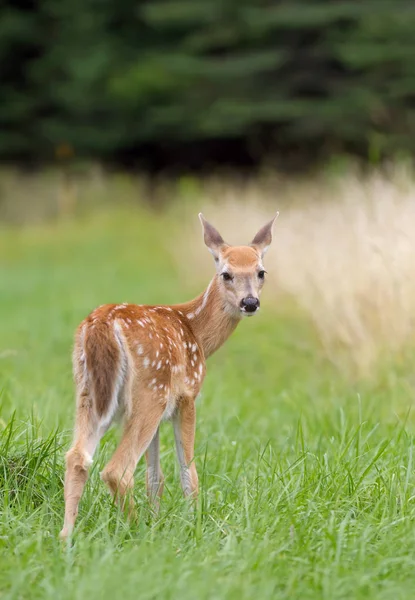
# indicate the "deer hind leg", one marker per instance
pixel 96 406
pixel 154 474
pixel 139 430
pixel 184 423
pixel 87 436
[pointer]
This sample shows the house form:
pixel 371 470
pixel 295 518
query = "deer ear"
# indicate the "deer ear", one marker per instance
pixel 212 237
pixel 263 238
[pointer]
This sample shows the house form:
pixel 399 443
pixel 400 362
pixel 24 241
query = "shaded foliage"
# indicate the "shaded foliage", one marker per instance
pixel 177 79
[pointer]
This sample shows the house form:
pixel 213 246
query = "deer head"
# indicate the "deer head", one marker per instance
pixel 240 271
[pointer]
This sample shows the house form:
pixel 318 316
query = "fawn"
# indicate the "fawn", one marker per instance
pixel 146 364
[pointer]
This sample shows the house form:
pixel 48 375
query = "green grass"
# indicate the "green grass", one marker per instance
pixel 307 482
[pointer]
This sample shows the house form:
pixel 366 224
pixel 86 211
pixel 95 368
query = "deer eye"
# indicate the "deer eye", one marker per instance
pixel 261 274
pixel 227 276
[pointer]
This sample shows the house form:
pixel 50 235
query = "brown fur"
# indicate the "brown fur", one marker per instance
pixel 146 362
pixel 103 358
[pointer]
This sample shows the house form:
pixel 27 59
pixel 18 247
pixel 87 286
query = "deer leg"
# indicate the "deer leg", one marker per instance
pixel 78 459
pixel 139 431
pixel 154 475
pixel 184 423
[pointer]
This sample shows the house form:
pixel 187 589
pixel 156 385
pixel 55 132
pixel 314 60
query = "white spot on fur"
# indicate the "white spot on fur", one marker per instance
pixel 159 365
pixel 87 459
pixel 140 350
pixel 194 348
pixel 146 362
pixel 190 315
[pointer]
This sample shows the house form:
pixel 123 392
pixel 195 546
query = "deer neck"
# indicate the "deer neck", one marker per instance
pixel 211 322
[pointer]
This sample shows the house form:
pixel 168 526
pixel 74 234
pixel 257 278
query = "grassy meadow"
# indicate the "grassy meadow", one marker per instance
pixel 305 430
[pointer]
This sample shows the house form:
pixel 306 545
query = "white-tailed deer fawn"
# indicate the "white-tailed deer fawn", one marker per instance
pixel 147 363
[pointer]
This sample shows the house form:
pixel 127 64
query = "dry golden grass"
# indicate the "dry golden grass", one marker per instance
pixel 28 198
pixel 344 252
pixel 344 249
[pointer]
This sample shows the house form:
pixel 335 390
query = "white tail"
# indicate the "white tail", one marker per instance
pixel 146 363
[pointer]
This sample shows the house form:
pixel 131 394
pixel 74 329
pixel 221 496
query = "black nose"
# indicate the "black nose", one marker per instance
pixel 249 304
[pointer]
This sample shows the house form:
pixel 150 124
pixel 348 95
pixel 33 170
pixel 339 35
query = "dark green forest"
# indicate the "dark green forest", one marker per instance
pixel 193 80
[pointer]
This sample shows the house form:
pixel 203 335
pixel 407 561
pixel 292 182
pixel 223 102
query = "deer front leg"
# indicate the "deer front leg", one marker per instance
pixel 184 423
pixel 154 474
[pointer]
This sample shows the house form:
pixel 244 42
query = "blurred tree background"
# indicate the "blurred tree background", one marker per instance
pixel 193 81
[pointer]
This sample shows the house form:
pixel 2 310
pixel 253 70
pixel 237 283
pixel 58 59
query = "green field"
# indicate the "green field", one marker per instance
pixel 307 480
